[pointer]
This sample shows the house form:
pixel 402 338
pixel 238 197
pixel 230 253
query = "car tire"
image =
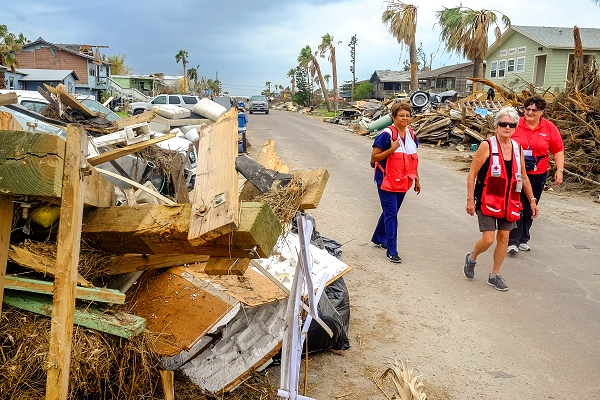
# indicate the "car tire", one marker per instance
pixel 266 112
pixel 251 112
pixel 138 111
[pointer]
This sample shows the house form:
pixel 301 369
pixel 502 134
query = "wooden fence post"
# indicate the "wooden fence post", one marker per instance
pixel 65 281
pixel 6 216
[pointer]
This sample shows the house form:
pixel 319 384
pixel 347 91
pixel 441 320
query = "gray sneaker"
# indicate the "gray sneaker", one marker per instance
pixel 512 249
pixel 497 282
pixel 469 268
pixel 524 247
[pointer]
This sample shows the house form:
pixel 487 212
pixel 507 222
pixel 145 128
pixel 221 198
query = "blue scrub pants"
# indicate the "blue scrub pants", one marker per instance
pixel 386 231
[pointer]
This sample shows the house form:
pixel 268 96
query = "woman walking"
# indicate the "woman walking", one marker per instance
pixel 396 168
pixel 494 186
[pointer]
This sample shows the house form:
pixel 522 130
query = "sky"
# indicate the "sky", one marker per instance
pixel 248 43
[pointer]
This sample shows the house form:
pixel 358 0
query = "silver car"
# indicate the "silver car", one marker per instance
pixel 258 103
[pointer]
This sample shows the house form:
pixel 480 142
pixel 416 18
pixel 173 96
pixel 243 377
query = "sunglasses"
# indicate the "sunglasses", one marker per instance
pixel 509 124
pixel 532 110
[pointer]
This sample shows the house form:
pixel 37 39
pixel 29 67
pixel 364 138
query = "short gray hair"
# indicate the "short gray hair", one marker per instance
pixel 511 112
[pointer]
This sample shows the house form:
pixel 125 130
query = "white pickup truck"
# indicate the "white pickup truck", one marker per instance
pixel 180 100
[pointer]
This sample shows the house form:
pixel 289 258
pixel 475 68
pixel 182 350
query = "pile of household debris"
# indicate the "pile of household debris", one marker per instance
pixel 156 255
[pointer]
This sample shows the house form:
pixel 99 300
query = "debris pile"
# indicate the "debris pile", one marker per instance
pixel 174 256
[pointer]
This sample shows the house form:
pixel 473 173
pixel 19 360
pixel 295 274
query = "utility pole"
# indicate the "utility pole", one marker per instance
pixel 352 46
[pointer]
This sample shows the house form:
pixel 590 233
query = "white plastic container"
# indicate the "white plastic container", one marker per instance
pixel 209 109
pixel 191 135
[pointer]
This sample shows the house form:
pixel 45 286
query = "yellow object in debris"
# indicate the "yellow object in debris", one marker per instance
pixel 46 215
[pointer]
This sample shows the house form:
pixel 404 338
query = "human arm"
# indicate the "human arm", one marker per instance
pixel 479 158
pixel 528 190
pixel 379 154
pixel 559 160
pixel 417 182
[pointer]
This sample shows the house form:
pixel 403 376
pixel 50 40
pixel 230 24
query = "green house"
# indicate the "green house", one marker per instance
pixel 538 55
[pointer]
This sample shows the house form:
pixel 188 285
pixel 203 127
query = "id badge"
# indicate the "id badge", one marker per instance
pixel 528 153
pixel 519 185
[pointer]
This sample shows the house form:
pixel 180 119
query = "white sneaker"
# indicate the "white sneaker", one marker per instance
pixel 512 249
pixel 524 247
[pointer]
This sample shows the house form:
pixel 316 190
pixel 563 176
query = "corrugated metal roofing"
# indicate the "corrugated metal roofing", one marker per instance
pixel 48 75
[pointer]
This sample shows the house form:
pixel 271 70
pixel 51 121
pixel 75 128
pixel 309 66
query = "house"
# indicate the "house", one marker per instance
pixel 388 83
pixel 92 72
pixel 538 54
pixel 31 79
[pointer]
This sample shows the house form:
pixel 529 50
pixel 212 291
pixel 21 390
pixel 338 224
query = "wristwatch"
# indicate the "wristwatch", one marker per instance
pixel 532 199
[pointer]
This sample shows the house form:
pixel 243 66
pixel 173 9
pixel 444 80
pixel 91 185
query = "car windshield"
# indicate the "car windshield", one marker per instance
pixel 258 98
pixel 94 106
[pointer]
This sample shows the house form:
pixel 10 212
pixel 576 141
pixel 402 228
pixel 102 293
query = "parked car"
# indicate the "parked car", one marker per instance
pixel 258 103
pixel 180 100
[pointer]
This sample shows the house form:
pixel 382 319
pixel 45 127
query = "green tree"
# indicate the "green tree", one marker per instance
pixel 308 60
pixel 302 96
pixel 292 74
pixel 117 64
pixel 465 31
pixel 363 91
pixel 182 56
pixel 327 46
pixel 192 74
pixel 401 20
pixel 9 44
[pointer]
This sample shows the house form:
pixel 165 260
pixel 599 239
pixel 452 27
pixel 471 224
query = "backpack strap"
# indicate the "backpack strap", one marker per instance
pixel 394 134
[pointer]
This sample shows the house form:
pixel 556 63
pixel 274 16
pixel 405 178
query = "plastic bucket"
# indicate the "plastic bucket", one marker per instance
pixel 209 109
pixel 191 135
pixel 380 123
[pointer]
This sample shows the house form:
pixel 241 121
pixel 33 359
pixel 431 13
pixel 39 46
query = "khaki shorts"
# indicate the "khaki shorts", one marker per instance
pixel 494 224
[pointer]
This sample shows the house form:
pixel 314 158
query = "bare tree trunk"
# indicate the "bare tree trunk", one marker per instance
pixel 577 68
pixel 414 79
pixel 322 82
pixel 477 73
pixel 2 80
pixel 335 82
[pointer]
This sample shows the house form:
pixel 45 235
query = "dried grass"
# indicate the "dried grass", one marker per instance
pixel 285 201
pixel 103 366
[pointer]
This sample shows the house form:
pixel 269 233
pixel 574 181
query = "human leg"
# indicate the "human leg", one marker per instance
pixel 500 250
pixel 487 239
pixel 387 226
pixel 537 185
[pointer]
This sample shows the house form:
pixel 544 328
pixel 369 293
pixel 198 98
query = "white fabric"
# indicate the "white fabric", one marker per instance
pixel 173 112
pixel 407 146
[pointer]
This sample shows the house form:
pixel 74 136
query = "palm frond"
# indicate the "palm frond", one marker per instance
pixel 408 387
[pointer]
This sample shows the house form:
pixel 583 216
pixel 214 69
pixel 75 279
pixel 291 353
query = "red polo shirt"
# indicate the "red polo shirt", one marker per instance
pixel 542 139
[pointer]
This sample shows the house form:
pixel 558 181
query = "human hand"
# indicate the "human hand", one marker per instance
pixel 418 186
pixel 558 176
pixel 534 210
pixel 395 144
pixel 471 207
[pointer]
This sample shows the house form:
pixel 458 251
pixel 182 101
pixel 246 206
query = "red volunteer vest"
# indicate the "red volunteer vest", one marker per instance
pixel 400 168
pixel 497 199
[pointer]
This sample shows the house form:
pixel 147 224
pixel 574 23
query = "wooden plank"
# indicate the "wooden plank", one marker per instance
pixel 123 151
pixel 38 263
pixel 163 229
pixel 89 316
pixel 268 159
pixel 215 209
pixel 226 266
pixel 8 122
pixel 314 183
pixel 31 163
pixel 146 116
pixel 67 258
pixel 145 262
pixel 182 194
pixel 137 185
pixel 169 303
pixel 6 217
pixel 8 98
pixel 102 295
pixel 68 100
pixel 168 383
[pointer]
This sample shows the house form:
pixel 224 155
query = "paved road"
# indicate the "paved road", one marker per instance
pixel 539 340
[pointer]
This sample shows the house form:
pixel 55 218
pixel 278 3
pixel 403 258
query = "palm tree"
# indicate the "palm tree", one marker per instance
pixel 268 85
pixel 327 77
pixel 192 74
pixel 292 74
pixel 465 32
pixel 328 45
pixel 182 56
pixel 9 44
pixel 401 19
pixel 307 59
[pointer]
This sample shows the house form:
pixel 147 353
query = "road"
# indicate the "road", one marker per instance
pixel 539 340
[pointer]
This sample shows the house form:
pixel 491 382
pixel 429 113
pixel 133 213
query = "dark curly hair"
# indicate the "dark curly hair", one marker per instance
pixel 538 100
pixel 401 105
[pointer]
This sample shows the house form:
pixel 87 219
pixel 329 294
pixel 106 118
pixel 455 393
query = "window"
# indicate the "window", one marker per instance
pixel 174 100
pixel 70 87
pixel 511 66
pixel 512 51
pixel 11 83
pixel 33 105
pixel 522 49
pixel 160 100
pixel 503 52
pixel 493 68
pixel 501 68
pixel 520 64
pixel 189 99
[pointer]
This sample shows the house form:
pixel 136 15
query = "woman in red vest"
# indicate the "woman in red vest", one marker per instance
pixel 494 185
pixel 538 137
pixel 396 168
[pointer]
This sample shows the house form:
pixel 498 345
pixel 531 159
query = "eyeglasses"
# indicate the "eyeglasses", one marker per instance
pixel 532 110
pixel 402 116
pixel 509 124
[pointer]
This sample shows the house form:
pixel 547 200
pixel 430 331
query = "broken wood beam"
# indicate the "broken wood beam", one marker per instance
pixel 313 183
pixel 146 116
pixel 86 315
pixel 268 159
pixel 260 177
pixel 69 100
pixel 145 262
pixel 102 295
pixel 123 151
pixel 31 163
pixel 67 259
pixel 6 217
pixel 226 266
pixel 8 98
pixel 164 229
pixel 215 208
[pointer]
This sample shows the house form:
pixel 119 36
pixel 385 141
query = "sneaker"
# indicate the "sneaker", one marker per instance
pixel 381 245
pixel 497 282
pixel 524 247
pixel 469 268
pixel 395 258
pixel 512 249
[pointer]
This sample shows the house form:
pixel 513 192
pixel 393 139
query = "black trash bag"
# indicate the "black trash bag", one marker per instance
pixel 323 243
